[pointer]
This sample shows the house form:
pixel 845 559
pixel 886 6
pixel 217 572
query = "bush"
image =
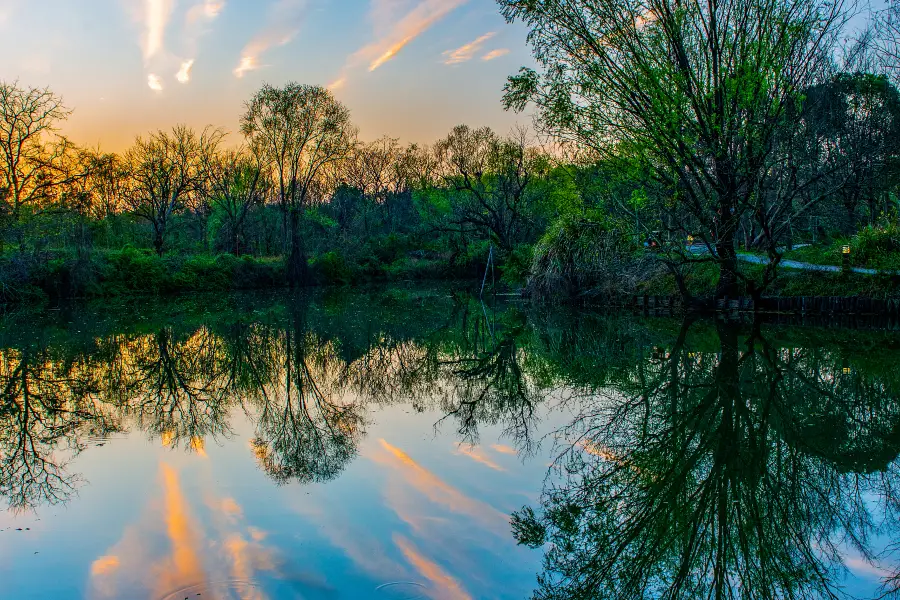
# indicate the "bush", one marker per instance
pixel 877 247
pixel 577 256
pixel 332 267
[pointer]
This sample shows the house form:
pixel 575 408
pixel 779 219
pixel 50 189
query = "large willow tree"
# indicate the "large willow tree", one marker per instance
pixel 701 91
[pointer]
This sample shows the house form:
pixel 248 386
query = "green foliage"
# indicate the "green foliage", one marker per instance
pixel 877 247
pixel 577 255
pixel 332 267
pixel 515 266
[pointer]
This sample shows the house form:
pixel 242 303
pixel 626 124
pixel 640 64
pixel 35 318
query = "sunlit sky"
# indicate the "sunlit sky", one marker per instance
pixel 411 69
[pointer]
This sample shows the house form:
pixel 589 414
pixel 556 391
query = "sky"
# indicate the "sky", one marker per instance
pixel 410 69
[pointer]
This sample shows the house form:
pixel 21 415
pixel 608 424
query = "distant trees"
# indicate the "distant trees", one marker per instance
pixel 164 171
pixel 700 92
pixel 299 129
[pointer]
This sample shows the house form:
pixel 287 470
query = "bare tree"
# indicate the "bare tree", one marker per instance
pixel 491 176
pixel 887 39
pixel 165 171
pixel 299 129
pixel 30 148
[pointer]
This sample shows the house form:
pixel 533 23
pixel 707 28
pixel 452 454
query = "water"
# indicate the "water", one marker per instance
pixel 401 443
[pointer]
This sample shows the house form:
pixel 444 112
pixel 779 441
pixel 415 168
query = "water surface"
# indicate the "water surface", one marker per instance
pixel 414 443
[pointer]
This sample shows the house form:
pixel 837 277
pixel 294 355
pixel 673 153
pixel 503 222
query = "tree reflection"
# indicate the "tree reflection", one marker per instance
pixel 303 432
pixel 715 475
pixel 49 407
pixel 490 382
pixel 177 388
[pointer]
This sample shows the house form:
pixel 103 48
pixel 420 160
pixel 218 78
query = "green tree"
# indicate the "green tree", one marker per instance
pixel 697 91
pixel 299 129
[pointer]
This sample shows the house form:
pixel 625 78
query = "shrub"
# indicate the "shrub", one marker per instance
pixel 577 256
pixel 877 247
pixel 332 267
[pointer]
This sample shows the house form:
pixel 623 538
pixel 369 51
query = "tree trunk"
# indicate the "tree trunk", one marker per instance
pixel 297 267
pixel 727 261
pixel 158 234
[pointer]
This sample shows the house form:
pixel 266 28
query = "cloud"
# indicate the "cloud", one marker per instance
pixel 467 52
pixel 184 73
pixel 395 32
pixel 155 84
pixel 337 84
pixel 473 453
pixel 502 449
pixel 416 22
pixel 283 23
pixel 155 19
pixel 495 54
pixel 104 565
pixel 444 584
pixel 205 11
pixel 196 24
pixel 438 491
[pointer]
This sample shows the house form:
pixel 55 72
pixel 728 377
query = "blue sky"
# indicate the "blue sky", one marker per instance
pixel 407 68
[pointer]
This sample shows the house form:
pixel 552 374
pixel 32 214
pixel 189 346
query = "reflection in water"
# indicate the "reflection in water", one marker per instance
pixel 694 460
pixel 741 471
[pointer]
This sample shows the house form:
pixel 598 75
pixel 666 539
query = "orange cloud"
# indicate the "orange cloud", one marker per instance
pixel 495 54
pixel 473 453
pixel 439 492
pixel 397 33
pixel 467 52
pixel 184 565
pixel 231 508
pixel 105 565
pixel 445 585
pixel 504 449
pixel 284 21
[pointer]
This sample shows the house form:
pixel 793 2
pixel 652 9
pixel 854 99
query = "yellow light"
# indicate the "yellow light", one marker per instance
pixel 846 249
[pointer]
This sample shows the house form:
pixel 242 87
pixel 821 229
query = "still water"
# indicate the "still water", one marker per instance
pixel 414 443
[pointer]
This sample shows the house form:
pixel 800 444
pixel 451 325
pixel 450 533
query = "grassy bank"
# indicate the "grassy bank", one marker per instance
pixel 29 277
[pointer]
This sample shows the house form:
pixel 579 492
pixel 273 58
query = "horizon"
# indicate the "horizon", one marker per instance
pixel 407 69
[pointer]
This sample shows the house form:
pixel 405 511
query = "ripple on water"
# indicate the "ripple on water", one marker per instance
pixel 402 590
pixel 214 590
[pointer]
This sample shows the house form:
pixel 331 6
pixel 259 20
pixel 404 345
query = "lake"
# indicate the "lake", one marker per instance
pixel 416 443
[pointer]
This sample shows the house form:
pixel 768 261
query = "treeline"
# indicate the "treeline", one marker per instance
pixel 700 133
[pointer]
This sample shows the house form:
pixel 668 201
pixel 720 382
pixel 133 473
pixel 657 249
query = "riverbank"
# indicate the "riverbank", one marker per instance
pixel 30 277
pixel 35 277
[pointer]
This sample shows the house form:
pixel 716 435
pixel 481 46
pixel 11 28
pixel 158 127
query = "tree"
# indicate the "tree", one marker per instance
pixel 237 183
pixel 852 124
pixel 699 92
pixel 165 170
pixel 30 149
pixel 299 129
pixel 491 176
pixel 887 38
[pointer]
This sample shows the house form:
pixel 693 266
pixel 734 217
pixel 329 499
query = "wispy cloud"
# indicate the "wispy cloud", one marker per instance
pixel 416 22
pixel 495 54
pixel 283 24
pixel 196 24
pixel 207 10
pixel 395 32
pixel 155 20
pixel 467 52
